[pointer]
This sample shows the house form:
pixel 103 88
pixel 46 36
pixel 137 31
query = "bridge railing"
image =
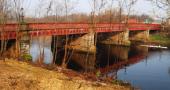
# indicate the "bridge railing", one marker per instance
pixel 9 30
pixel 43 26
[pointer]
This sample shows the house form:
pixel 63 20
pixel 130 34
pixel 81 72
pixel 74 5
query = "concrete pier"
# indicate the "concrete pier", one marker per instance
pixel 118 38
pixel 139 35
pixel 86 43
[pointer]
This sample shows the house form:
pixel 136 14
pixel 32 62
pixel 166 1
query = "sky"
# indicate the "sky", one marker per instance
pixel 142 7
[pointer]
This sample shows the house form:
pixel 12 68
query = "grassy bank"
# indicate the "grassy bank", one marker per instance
pixel 160 39
pixel 15 75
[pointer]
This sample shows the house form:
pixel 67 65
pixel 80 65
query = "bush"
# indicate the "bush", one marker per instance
pixel 27 57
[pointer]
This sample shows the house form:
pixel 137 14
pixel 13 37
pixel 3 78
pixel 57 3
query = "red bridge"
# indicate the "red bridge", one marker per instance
pixel 9 31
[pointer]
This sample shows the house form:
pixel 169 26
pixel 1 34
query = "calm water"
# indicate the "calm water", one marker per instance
pixel 151 73
pixel 143 68
pixel 41 47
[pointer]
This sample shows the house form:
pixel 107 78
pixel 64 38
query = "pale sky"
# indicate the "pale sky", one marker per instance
pixel 142 7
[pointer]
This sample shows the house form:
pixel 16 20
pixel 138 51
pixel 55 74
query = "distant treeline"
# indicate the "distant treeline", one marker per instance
pixel 103 17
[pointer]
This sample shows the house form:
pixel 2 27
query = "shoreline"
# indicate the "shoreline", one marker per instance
pixel 158 39
pixel 26 76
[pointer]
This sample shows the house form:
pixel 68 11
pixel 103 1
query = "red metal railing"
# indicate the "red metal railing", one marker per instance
pixel 8 31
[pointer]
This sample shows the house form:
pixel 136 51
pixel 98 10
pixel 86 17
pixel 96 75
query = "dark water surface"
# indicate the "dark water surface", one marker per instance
pixel 143 68
pixel 151 73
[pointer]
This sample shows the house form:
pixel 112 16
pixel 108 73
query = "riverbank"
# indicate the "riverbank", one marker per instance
pixel 159 39
pixel 16 75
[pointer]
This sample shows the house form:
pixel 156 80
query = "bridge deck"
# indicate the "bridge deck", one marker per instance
pixel 8 31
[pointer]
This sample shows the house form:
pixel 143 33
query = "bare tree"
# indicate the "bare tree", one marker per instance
pixel 129 5
pixel 68 7
pixel 66 42
pixel 5 10
pixel 17 8
pixel 57 10
pixel 163 4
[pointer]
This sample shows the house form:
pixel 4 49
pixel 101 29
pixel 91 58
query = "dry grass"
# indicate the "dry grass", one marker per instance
pixel 16 75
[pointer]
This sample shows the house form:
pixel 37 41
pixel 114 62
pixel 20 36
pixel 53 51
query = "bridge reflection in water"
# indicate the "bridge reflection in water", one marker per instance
pixel 108 58
pixel 112 65
pixel 135 55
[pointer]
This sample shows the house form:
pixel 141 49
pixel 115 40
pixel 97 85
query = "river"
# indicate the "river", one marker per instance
pixel 151 73
pixel 142 67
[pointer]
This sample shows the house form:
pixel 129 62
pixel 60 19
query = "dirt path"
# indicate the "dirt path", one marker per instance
pixel 16 75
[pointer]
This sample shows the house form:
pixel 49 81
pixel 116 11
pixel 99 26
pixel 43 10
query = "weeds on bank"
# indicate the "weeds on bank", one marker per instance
pixel 26 57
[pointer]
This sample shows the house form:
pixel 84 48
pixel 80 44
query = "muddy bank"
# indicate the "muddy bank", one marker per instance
pixel 15 75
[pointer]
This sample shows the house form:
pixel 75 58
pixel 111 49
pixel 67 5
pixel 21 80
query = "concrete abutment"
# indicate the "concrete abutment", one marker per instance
pixel 85 43
pixel 139 35
pixel 118 38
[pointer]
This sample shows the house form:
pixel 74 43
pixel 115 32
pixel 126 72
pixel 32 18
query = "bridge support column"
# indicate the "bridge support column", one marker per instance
pixel 118 38
pixel 140 35
pixel 86 43
pixel 24 44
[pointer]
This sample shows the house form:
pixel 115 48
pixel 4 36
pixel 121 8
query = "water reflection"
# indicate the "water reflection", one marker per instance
pixel 137 49
pixel 153 76
pixel 115 67
pixel 125 58
pixel 169 71
pixel 148 70
pixel 41 49
pixel 112 57
pixel 108 55
pixel 85 60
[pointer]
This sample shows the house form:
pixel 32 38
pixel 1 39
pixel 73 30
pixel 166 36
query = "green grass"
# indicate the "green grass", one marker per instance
pixel 161 39
pixel 157 37
pixel 27 57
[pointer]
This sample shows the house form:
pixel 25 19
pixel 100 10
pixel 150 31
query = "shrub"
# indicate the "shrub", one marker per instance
pixel 27 57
